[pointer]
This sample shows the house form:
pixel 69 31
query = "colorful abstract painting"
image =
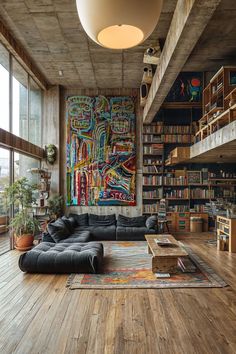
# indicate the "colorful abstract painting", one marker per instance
pixel 186 88
pixel 101 154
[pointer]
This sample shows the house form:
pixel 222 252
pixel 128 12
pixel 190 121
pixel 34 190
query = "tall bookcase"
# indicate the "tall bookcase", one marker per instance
pixel 187 188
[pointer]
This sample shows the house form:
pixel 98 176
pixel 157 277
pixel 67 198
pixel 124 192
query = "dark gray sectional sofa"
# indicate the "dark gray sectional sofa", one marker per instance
pixel 92 227
pixel 67 246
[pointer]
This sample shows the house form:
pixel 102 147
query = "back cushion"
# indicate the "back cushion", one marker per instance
pixel 70 223
pixel 80 219
pixel 58 230
pixel 125 221
pixel 102 220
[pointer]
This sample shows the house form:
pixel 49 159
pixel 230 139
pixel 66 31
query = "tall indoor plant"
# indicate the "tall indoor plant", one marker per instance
pixel 24 225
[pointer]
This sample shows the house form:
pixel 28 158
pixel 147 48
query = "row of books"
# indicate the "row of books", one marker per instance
pixel 222 175
pixel 177 193
pixel 156 128
pixel 201 193
pixel 159 128
pixel 199 208
pixel 177 129
pixel 156 149
pixel 152 169
pixel 152 138
pixel 150 208
pixel 157 193
pixel 171 138
pixel 153 180
pixel 178 208
pixel 152 161
pixel 180 181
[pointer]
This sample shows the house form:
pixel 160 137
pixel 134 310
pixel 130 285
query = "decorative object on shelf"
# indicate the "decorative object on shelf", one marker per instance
pixel 194 177
pixel 55 207
pixel 43 190
pixel 51 153
pixel 147 75
pixel 186 88
pixel 144 89
pixel 152 55
pixel 119 24
pixel 24 225
pixel 101 151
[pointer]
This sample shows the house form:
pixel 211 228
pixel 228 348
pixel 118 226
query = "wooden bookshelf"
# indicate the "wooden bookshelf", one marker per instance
pixel 219 103
pixel 226 234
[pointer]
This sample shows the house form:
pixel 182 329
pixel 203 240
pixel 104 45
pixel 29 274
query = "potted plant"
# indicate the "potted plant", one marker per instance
pixel 24 225
pixel 55 207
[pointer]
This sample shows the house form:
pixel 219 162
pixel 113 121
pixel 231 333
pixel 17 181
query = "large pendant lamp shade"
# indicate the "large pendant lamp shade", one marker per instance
pixel 119 24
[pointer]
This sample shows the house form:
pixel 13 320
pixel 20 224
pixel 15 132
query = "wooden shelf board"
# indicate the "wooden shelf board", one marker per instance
pixel 183 105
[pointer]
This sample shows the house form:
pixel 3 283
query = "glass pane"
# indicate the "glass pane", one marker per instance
pixel 19 101
pixel 4 88
pixel 4 182
pixel 35 115
pixel 22 165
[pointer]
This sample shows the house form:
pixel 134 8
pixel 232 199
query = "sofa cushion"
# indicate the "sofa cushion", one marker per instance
pixel 102 220
pixel 132 233
pixel 70 223
pixel 80 219
pixel 63 258
pixel 125 221
pixel 46 237
pixel 78 236
pixel 58 230
pixel 151 222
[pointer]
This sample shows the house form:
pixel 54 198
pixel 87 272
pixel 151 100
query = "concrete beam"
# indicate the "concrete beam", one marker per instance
pixel 189 20
pixel 222 142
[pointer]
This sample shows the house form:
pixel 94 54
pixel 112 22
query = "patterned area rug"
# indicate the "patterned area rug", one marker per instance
pixel 128 265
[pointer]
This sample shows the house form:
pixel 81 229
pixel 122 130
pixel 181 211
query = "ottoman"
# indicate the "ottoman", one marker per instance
pixel 62 258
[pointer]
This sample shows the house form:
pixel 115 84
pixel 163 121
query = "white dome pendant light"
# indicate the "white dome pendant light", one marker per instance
pixel 119 24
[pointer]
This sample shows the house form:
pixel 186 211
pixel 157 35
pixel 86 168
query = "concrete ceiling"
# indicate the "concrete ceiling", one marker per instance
pixel 52 35
pixel 217 44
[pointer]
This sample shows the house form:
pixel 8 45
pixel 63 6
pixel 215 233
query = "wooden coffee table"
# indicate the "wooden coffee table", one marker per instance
pixel 165 258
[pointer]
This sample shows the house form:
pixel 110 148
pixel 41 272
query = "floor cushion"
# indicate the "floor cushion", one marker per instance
pixel 63 258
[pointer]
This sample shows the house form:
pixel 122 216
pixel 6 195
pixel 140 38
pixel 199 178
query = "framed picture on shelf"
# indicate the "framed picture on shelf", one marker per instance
pixel 194 177
pixel 187 88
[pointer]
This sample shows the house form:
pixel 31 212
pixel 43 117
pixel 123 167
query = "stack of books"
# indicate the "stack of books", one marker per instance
pixel 186 265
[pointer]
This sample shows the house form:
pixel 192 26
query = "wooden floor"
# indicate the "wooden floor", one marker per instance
pixel 4 243
pixel 38 314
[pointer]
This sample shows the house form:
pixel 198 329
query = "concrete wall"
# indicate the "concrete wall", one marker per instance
pixel 131 211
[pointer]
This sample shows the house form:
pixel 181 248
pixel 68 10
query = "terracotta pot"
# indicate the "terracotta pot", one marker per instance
pixel 24 242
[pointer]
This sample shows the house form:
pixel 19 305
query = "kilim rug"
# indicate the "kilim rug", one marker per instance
pixel 128 265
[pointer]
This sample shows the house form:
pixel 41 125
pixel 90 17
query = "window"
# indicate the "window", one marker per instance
pixel 24 119
pixel 4 88
pixel 35 113
pixel 4 182
pixel 22 165
pixel 19 100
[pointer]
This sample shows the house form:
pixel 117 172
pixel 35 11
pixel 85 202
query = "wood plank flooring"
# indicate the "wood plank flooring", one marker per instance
pixel 4 243
pixel 38 314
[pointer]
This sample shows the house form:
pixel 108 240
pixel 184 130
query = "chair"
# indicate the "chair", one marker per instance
pixel 162 221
